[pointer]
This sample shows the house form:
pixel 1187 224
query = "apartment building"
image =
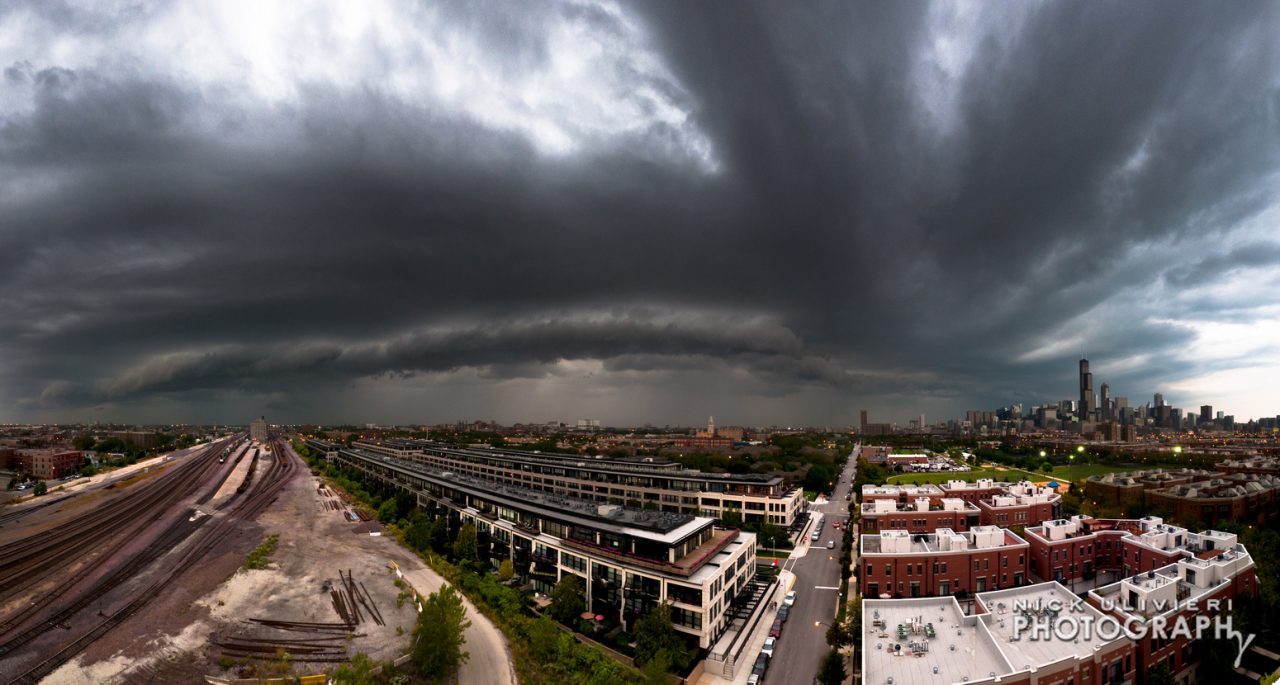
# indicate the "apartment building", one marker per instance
pixel 933 640
pixel 974 491
pixel 897 563
pixel 900 493
pixel 921 515
pixel 1127 488
pixel 1079 548
pixel 1230 497
pixel 627 559
pixel 1206 578
pixel 635 482
pixel 1020 504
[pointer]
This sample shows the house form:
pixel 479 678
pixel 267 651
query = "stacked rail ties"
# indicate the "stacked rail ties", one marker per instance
pixel 61 622
pixel 350 598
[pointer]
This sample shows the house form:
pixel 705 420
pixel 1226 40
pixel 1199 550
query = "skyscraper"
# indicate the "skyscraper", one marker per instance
pixel 1086 392
pixel 1159 399
pixel 1106 402
pixel 1206 413
pixel 862 425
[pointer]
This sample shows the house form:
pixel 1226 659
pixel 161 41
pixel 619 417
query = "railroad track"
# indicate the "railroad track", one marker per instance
pixel 29 560
pixel 24 511
pixel 164 541
pixel 284 465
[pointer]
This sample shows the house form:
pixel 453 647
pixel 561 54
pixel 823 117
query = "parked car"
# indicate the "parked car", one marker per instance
pixel 831 544
pixel 753 679
pixel 783 613
pixel 775 630
pixel 789 599
pixel 767 650
pixel 762 665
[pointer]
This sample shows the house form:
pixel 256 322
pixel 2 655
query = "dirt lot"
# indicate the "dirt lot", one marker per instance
pixel 170 641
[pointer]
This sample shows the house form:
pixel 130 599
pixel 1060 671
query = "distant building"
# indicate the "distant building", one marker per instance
pixel 144 439
pixel 258 429
pixel 1086 392
pixel 48 464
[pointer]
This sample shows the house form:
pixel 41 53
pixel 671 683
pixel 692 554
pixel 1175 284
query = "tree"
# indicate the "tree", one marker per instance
pixel 439 636
pixel 506 570
pixel 465 548
pixel 1160 675
pixel 655 634
pixel 655 671
pixel 83 442
pixel 40 489
pixel 387 512
pixel 831 671
pixel 362 670
pixel 567 602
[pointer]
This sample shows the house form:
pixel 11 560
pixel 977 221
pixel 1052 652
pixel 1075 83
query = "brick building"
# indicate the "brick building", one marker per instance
pixel 1259 465
pixel 48 464
pixel 1021 504
pixel 973 491
pixel 901 564
pixel 1124 489
pixel 1244 497
pixel 933 640
pixel 921 515
pixel 1079 548
pixel 1184 588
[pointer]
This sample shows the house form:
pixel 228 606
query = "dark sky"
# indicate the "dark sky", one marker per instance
pixel 773 213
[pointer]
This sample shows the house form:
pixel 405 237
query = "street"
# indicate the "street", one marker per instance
pixel 803 644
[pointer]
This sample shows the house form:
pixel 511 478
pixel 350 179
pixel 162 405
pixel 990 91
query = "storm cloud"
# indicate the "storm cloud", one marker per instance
pixel 419 212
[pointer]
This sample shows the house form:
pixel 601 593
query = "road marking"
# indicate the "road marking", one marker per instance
pixel 825 587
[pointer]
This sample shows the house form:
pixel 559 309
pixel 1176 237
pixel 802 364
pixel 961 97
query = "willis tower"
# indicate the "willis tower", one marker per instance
pixel 1086 392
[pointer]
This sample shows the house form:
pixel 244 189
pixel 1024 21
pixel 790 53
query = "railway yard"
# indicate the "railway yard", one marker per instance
pixel 137 578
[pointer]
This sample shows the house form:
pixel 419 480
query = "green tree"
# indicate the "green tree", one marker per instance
pixel 506 570
pixel 567 601
pixel 362 670
pixel 1160 675
pixel 655 634
pixel 439 636
pixel 387 512
pixel 83 442
pixel 40 488
pixel 655 671
pixel 465 548
pixel 831 671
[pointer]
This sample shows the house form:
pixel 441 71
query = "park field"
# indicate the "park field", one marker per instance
pixel 1072 472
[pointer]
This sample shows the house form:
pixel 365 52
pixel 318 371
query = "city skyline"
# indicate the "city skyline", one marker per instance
pixel 626 212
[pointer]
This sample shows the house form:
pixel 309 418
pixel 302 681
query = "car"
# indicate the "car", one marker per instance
pixel 775 630
pixel 762 665
pixel 783 613
pixel 767 649
pixel 831 544
pixel 789 599
pixel 753 679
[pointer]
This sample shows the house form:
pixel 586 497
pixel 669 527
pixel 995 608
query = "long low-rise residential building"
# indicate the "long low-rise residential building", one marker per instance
pixel 48 463
pixel 1230 497
pixel 1021 504
pixel 1200 583
pixel 636 482
pixel 900 493
pixel 933 641
pixel 1081 547
pixel 1128 488
pixel 896 563
pixel 922 515
pixel 627 559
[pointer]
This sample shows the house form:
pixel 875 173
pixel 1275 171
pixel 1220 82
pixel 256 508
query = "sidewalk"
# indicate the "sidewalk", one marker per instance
pixel 747 657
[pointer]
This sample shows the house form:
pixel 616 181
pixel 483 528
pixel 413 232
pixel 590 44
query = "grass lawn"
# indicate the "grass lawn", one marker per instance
pixel 1073 472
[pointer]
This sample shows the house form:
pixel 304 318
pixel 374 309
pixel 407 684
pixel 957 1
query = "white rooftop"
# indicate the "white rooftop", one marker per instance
pixel 939 645
pixel 960 649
